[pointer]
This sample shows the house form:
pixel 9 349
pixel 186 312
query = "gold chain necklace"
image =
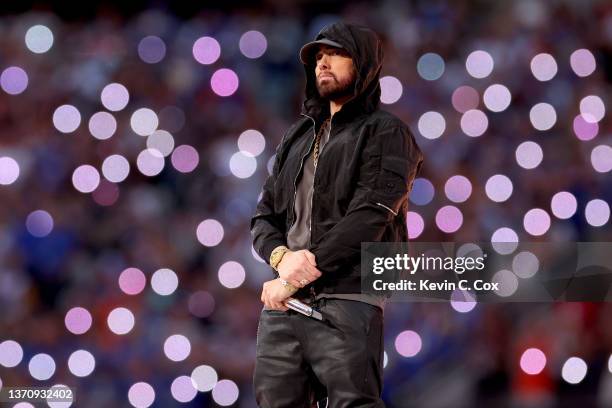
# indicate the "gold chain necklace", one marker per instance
pixel 315 154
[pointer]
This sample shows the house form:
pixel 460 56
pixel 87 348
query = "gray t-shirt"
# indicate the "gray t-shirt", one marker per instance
pixel 298 236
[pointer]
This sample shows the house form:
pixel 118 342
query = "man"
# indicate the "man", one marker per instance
pixel 341 176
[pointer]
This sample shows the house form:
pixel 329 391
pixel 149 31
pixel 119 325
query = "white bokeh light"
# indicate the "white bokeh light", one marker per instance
pixel 102 125
pixel 536 222
pixel 597 212
pixel 507 283
pixel 164 281
pixel 574 370
pixel 39 39
pixel 525 264
pixel 225 393
pixel 66 118
pixel 85 178
pixel 543 116
pixel 81 363
pixel 498 188
pixel 601 158
pixel 182 389
pixel 543 67
pixel 120 320
pixel 114 97
pixel 529 155
pixel 144 121
pixel 11 353
pixel 115 168
pixel 504 240
pixel 497 98
pixel 242 165
pixel 231 274
pixel 177 347
pixel 41 366
pixel 390 89
pixel 479 64
pixel 431 125
pixel 251 142
pixel 474 122
pixel 141 395
pixel 563 205
pixel 204 378
pixel 592 108
pixel 210 232
pixel 150 162
pixel 9 170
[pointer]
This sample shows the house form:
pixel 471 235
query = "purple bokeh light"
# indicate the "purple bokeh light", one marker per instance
pixel 39 223
pixel 206 50
pixel 533 361
pixel 151 49
pixel 185 158
pixel 408 343
pixel 132 281
pixel 78 320
pixel 14 80
pixel 253 44
pixel 449 219
pixel 224 82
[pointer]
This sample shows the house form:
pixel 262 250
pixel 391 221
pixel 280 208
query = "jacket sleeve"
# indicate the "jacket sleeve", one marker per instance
pixel 389 163
pixel 267 227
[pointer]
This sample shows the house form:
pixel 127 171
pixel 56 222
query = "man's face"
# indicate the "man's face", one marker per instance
pixel 335 73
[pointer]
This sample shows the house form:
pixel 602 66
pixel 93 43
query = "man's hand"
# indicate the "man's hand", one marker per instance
pixel 274 294
pixel 298 268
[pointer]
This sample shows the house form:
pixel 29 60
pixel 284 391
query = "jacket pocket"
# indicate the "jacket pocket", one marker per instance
pixel 391 188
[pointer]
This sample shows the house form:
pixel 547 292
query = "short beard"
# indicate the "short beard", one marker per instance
pixel 334 90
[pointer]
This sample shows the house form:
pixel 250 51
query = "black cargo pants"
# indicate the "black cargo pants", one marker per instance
pixel 301 360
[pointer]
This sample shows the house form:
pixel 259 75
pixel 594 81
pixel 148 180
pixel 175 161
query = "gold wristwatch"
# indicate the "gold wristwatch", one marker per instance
pixel 277 256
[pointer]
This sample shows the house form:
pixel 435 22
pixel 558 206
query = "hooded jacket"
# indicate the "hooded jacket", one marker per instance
pixel 364 174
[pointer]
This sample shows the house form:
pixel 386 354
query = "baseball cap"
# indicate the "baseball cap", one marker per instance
pixel 309 48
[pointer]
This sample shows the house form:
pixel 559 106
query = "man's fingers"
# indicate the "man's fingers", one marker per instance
pixel 311 257
pixel 313 273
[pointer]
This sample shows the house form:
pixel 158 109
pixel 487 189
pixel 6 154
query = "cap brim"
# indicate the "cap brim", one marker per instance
pixel 308 49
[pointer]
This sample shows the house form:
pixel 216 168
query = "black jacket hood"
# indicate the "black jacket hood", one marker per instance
pixel 365 48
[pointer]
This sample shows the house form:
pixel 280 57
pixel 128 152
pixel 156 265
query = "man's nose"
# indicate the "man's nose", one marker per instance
pixel 323 61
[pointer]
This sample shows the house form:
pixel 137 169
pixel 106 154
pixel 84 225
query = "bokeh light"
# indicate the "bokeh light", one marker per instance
pixel 201 304
pixel 209 232
pixel 251 142
pixel 231 274
pixel 144 121
pixel 458 188
pixel 601 159
pixel 474 122
pixel 543 67
pixel 430 66
pixel 185 158
pixel 14 80
pixel 162 141
pixel 102 125
pixel 141 395
pixel 225 393
pixel 408 343
pixel 498 188
pixel 115 168
pixel 224 82
pixel 120 320
pixel 39 39
pixel 563 205
pixel 508 283
pixel 542 116
pixel 525 264
pixel 592 108
pixel 536 222
pixel 422 191
pixel 582 62
pixel 39 223
pixel 150 162
pixel 449 219
pixel 597 212
pixel 9 170
pixel 78 320
pixel 164 281
pixel 177 347
pixel 253 44
pixel 106 194
pixel 583 129
pixel 574 370
pixel 114 97
pixel 504 240
pixel 533 361
pixel 132 281
pixel 479 64
pixel 529 155
pixel 431 125
pixel 204 378
pixel 462 301
pixel 206 50
pixel 465 98
pixel 497 98
pixel 242 165
pixel 11 353
pixel 151 49
pixel 85 178
pixel 81 363
pixel 390 90
pixel 41 366
pixel 67 403
pixel 182 389
pixel 66 118
pixel 415 224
